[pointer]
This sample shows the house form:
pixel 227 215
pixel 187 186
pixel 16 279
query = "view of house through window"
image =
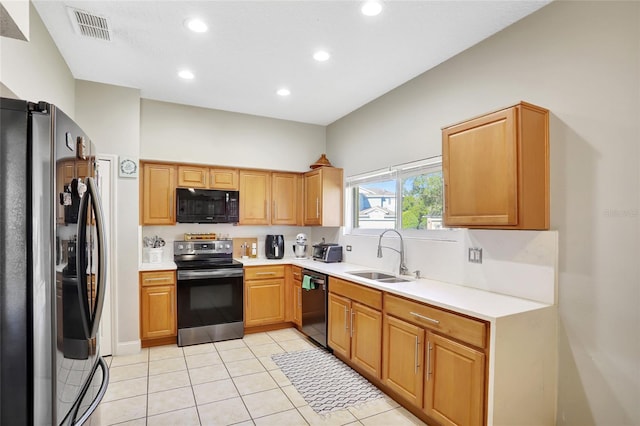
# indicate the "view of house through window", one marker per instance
pixel 404 197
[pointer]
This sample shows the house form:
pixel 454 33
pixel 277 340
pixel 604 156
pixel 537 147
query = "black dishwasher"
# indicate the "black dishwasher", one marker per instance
pixel 315 288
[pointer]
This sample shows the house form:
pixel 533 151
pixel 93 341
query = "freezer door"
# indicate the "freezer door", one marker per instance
pixel 81 274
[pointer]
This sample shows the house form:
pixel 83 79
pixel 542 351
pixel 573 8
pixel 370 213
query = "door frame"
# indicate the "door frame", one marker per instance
pixel 107 327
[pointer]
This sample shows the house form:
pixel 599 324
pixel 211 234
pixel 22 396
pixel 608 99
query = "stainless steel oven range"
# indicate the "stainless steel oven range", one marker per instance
pixel 210 292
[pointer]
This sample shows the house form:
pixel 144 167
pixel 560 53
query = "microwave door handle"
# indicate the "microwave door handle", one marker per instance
pixel 81 263
pixel 101 278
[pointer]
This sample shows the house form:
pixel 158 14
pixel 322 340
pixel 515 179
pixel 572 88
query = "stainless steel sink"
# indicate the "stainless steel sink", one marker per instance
pixel 393 280
pixel 371 275
pixel 378 276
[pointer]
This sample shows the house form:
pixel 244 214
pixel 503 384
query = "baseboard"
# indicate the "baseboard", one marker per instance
pixel 128 348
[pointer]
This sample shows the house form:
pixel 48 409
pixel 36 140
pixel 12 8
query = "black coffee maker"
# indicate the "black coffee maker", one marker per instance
pixel 274 247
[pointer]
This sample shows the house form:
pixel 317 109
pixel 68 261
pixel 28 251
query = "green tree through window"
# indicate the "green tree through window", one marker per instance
pixel 422 201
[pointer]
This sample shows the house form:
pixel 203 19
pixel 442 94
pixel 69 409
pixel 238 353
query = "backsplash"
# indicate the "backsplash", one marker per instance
pixel 176 233
pixel 515 263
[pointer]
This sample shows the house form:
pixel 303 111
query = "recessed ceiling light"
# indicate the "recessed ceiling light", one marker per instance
pixel 371 8
pixel 196 25
pixel 186 74
pixel 321 56
pixel 283 92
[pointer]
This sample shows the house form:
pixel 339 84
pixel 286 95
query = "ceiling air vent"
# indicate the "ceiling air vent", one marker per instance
pixel 90 25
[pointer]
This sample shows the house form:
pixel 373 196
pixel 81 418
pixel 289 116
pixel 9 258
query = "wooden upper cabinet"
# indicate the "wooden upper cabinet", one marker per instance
pixel 221 178
pixel 323 200
pixel 192 176
pixel 158 187
pixel 255 196
pixel 284 198
pixel 496 170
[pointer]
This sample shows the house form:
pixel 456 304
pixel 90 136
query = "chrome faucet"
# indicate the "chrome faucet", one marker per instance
pixel 403 270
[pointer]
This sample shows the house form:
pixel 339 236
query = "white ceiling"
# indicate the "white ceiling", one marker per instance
pixel 253 48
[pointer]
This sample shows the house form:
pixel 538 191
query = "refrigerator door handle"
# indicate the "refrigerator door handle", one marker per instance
pixel 101 281
pixel 91 322
pixel 103 389
pixel 82 264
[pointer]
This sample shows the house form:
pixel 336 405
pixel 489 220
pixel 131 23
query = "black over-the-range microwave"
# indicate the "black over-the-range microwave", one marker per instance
pixel 207 206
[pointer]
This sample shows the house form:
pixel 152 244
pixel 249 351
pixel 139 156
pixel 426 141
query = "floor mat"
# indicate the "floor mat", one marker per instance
pixel 324 381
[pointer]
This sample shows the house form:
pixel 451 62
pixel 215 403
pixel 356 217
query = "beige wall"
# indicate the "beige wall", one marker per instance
pixel 35 70
pixel 111 116
pixel 183 133
pixel 582 61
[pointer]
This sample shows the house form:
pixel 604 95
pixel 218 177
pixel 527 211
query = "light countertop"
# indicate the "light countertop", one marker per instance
pixel 162 266
pixel 465 300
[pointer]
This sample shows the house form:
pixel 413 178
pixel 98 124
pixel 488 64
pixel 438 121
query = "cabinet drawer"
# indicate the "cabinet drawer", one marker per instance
pixel 157 278
pixel 263 272
pixel 357 292
pixel 466 329
pixel 297 272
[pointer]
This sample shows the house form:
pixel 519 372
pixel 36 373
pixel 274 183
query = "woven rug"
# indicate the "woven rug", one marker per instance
pixel 324 381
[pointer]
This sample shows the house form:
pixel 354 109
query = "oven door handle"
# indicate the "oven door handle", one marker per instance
pixel 199 274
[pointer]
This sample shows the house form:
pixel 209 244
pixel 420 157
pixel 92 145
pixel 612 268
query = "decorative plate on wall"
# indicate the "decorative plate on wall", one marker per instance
pixel 128 168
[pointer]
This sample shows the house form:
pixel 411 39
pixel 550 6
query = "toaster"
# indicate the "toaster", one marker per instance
pixel 328 253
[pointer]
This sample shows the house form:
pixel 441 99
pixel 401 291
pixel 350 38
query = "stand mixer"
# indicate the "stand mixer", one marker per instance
pixel 300 247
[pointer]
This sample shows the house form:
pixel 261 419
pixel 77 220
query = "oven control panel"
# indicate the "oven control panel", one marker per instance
pixel 202 247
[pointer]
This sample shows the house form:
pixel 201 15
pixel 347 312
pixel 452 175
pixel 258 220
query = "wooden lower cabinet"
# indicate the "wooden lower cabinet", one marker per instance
pixel 264 295
pixel 354 329
pixel 435 360
pixel 402 355
pixel 454 385
pixel 158 318
pixel 296 272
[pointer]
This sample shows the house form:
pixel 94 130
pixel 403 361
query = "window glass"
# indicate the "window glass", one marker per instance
pixel 407 197
pixel 376 204
pixel 422 201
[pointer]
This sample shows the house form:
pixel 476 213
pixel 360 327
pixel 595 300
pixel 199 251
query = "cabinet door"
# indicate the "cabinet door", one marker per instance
pixel 339 326
pixel 454 387
pixel 223 179
pixel 192 176
pixel 264 302
pixel 284 198
pixel 366 341
pixel 297 303
pixel 158 189
pixel 312 198
pixel 402 358
pixel 480 167
pixel 255 193
pixel 157 313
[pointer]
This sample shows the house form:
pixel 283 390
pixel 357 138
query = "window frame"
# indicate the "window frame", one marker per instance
pixel 399 172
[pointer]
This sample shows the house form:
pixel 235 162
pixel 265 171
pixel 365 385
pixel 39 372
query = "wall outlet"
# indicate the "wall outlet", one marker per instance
pixel 475 255
pixel 348 248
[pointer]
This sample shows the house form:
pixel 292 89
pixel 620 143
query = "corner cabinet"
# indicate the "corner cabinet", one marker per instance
pixel 158 318
pixel 264 298
pixel 323 197
pixel 496 170
pixel 157 189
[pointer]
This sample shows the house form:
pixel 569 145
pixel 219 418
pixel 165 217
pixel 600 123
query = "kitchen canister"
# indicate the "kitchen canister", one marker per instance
pixel 154 255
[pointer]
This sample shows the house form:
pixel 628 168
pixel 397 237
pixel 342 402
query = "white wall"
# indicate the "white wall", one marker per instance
pixel 581 60
pixel 35 70
pixel 111 117
pixel 181 133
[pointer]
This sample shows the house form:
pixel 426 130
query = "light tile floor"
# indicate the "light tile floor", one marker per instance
pixel 225 383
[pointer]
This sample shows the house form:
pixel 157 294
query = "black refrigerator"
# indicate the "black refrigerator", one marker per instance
pixel 53 265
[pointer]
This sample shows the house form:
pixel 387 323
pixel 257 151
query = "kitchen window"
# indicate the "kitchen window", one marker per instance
pixel 406 197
